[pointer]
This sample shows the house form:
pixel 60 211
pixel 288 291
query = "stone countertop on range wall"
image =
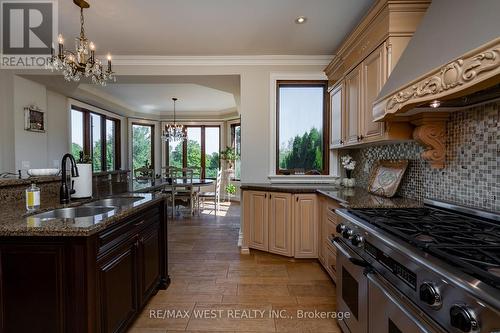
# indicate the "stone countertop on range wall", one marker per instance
pixel 355 197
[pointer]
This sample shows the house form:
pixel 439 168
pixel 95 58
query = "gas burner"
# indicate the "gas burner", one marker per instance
pixel 425 238
pixel 494 271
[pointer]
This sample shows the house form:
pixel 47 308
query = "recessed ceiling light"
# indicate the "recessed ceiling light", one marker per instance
pixel 435 104
pixel 301 20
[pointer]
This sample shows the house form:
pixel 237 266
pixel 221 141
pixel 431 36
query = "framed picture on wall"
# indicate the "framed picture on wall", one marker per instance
pixel 34 119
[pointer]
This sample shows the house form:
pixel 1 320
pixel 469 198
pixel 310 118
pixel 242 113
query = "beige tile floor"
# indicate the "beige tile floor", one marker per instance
pixel 210 277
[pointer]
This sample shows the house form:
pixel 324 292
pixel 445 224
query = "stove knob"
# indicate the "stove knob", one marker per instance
pixel 340 228
pixel 429 294
pixel 357 240
pixel 347 233
pixel 463 319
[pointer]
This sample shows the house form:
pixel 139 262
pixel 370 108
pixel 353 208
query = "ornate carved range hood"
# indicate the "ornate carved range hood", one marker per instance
pixel 452 60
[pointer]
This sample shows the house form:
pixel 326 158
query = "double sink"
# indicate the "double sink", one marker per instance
pixel 94 208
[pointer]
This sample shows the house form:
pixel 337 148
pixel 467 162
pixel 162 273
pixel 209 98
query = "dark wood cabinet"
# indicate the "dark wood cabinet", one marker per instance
pixel 97 283
pixel 117 288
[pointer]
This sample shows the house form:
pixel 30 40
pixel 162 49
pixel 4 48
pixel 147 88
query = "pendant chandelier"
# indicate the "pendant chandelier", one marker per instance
pixel 82 61
pixel 174 131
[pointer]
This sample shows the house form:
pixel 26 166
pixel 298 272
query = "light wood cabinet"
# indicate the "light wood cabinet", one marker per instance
pixel 352 106
pixel 373 78
pixel 362 64
pixel 306 226
pixel 280 224
pixel 337 116
pixel 258 217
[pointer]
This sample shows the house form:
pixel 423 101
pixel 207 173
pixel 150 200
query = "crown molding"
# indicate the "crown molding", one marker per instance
pixel 243 60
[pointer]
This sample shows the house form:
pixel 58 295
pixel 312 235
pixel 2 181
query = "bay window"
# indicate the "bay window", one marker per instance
pixel 199 152
pixel 97 136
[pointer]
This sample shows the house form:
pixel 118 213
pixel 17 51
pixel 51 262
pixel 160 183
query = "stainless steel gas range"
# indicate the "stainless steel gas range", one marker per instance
pixel 429 269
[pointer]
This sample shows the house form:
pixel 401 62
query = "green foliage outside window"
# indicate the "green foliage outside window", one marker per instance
pixel 141 146
pixel 303 152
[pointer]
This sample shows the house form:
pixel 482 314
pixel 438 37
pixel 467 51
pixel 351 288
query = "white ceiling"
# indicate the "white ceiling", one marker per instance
pixel 214 27
pixel 157 98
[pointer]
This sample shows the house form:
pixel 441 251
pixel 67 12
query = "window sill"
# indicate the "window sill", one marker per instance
pixel 302 179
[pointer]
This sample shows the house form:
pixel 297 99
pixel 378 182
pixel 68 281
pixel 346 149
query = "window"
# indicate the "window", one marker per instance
pixel 77 139
pixel 236 144
pixel 142 146
pixel 97 136
pixel 200 151
pixel 301 127
pixel 96 133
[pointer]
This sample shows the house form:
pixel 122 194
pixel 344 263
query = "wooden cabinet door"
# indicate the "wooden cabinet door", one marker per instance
pixel 258 220
pixel 280 224
pixel 336 116
pixel 306 226
pixel 149 260
pixel 352 105
pixel 118 287
pixel 374 69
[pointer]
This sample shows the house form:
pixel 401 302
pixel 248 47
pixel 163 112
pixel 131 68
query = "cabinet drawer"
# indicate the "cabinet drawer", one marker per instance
pixel 126 229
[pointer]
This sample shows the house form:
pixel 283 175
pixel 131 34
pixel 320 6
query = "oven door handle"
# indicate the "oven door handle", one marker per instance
pixel 356 261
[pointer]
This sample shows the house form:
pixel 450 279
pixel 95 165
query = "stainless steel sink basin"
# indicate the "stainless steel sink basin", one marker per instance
pixel 118 201
pixel 73 212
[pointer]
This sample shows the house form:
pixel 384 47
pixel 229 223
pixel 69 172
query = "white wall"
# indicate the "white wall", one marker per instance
pixel 7 161
pixel 34 149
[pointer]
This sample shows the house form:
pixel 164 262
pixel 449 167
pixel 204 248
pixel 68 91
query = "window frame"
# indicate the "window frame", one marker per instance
pixel 203 148
pixel 326 127
pixel 87 136
pixel 233 145
pixel 152 126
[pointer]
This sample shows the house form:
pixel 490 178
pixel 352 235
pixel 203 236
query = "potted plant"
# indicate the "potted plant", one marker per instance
pixel 230 190
pixel 230 156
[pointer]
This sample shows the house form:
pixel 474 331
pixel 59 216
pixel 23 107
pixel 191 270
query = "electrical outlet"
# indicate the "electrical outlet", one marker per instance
pixel 25 165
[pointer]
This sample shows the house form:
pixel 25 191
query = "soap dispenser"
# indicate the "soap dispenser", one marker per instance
pixel 32 198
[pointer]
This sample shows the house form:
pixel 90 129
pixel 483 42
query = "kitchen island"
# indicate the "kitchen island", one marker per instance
pixel 83 267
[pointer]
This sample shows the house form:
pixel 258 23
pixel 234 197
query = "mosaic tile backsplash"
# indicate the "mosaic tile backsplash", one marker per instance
pixel 472 173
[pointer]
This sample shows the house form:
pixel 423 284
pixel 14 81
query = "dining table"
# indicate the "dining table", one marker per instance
pixel 152 185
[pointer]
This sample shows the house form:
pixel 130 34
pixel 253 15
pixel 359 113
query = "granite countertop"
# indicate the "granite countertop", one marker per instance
pixel 15 221
pixel 355 197
pixel 28 180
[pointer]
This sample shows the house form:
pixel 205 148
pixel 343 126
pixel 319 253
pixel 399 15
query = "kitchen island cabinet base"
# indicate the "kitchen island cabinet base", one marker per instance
pixel 96 283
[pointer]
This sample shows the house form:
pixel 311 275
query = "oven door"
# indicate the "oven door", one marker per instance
pixel 352 289
pixel 389 312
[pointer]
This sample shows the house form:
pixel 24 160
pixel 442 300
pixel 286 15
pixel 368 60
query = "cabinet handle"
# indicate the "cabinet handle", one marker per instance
pixel 270 195
pixel 360 137
pixel 341 141
pixel 138 223
pixel 265 196
pixel 297 199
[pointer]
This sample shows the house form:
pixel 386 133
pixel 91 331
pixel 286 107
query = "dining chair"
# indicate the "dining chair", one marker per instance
pixel 170 173
pixel 212 195
pixel 184 193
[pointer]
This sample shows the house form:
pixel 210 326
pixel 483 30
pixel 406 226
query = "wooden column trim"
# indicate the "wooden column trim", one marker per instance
pixel 430 132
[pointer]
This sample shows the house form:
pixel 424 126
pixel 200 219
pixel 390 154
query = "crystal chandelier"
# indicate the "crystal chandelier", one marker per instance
pixel 174 131
pixel 81 62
